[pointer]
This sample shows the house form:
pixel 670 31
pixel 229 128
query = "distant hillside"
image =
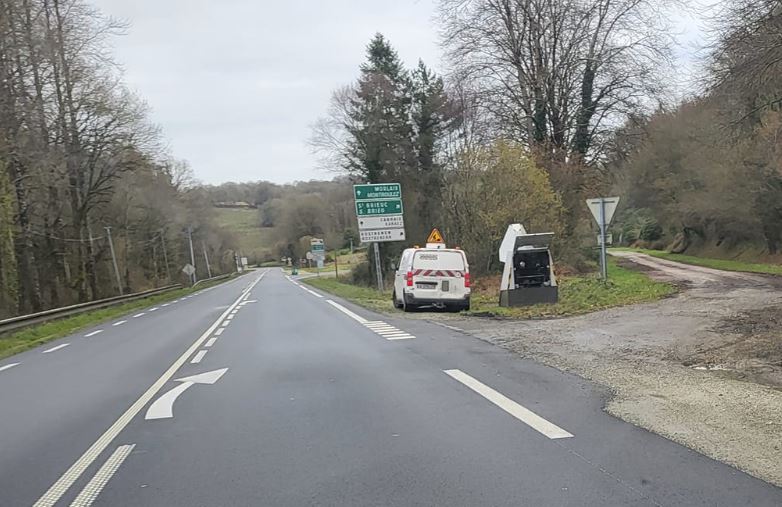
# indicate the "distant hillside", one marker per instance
pixel 255 241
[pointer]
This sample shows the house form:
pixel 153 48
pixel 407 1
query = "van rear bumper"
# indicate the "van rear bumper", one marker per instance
pixel 413 300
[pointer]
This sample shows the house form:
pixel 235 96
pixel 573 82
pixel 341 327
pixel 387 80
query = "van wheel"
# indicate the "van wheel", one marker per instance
pixel 397 303
pixel 407 307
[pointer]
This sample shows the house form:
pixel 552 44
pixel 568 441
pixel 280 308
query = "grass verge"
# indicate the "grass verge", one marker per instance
pixel 28 338
pixel 723 264
pixel 577 295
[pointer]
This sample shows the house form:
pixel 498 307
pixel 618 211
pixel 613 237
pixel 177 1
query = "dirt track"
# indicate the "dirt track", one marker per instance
pixel 703 368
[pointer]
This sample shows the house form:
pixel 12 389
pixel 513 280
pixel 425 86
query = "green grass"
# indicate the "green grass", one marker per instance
pixel 724 264
pixel 33 336
pixel 254 241
pixel 577 295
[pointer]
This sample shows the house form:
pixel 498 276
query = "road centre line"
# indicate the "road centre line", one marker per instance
pixel 211 341
pixel 8 366
pixel 93 333
pixel 102 477
pixel 119 323
pixel 521 413
pixel 59 488
pixel 198 357
pixel 139 315
pixel 347 312
pixel 58 347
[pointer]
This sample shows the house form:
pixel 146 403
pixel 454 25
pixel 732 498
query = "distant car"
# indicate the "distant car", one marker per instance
pixel 432 276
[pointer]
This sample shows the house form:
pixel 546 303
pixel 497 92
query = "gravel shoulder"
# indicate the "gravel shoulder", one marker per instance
pixel 703 368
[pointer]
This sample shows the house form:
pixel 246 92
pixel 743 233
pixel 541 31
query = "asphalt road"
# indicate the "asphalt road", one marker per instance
pixel 298 398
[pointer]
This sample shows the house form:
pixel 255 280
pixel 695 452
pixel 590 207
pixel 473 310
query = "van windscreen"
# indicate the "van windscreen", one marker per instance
pixel 434 259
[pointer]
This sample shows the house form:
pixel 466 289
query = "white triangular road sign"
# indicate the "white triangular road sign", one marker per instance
pixel 610 204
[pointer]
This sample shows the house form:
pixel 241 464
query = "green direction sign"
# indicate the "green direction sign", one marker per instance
pixel 379 207
pixel 378 191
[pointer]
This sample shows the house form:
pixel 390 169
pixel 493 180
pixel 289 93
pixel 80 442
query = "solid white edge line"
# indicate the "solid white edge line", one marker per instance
pixel 58 347
pixel 93 333
pixel 58 489
pixel 521 413
pixel 211 341
pixel 198 357
pixel 8 366
pixel 219 331
pixel 119 323
pixel 347 312
pixel 102 477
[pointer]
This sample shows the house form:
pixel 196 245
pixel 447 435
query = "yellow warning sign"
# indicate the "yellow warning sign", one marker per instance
pixel 435 237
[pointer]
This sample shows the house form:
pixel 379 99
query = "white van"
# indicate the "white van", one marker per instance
pixel 432 276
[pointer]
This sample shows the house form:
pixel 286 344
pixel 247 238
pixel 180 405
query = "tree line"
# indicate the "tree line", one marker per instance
pixel 81 163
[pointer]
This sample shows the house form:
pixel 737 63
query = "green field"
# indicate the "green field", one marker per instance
pixel 577 295
pixel 255 242
pixel 724 264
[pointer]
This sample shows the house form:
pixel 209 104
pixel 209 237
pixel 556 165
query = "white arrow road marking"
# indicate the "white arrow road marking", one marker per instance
pixel 102 477
pixel 8 366
pixel 198 357
pixel 58 347
pixel 524 415
pixel 63 484
pixel 163 407
pixel 93 333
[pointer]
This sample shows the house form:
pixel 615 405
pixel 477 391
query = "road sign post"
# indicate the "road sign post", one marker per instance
pixel 380 215
pixel 603 209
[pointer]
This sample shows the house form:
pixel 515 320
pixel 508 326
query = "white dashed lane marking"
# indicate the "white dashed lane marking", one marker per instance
pixel 119 323
pixel 199 356
pixel 211 341
pixel 8 366
pixel 521 413
pixel 219 331
pixel 58 347
pixel 93 333
pixel 139 315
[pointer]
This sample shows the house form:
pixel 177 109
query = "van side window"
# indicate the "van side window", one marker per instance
pixel 405 259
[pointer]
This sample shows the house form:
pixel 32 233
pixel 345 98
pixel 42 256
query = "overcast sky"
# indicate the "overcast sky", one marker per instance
pixel 235 84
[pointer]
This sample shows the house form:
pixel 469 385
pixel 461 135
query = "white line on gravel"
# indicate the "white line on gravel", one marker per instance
pixel 524 415
pixel 58 347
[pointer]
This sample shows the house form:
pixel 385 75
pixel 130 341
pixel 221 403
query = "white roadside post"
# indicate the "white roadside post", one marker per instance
pixel 603 209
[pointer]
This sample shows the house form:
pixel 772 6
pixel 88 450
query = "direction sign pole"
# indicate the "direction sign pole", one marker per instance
pixel 378 268
pixel 603 264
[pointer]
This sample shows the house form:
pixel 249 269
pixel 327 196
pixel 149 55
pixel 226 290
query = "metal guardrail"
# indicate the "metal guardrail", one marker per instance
pixel 214 278
pixel 21 321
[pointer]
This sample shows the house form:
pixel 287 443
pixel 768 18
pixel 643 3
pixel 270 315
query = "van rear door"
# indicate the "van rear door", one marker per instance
pixel 439 274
